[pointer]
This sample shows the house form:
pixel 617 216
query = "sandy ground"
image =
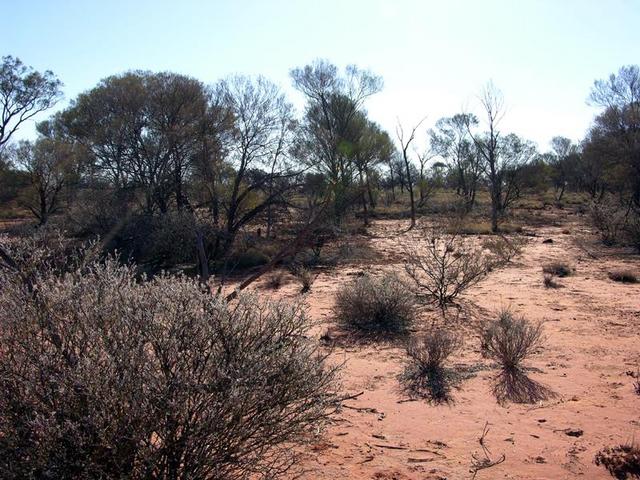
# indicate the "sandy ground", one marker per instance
pixel 591 325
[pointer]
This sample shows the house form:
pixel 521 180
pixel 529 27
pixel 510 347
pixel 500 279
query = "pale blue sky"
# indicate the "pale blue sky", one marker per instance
pixel 434 56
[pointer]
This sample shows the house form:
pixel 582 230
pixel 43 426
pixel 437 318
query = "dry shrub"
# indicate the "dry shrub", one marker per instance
pixel 275 280
pixel 633 230
pixel 103 375
pixel 548 281
pixel 558 269
pixel 427 375
pixel 623 276
pixel 610 218
pixel 622 462
pixel 372 305
pixel 305 277
pixel 445 267
pixel 510 340
pixel 505 249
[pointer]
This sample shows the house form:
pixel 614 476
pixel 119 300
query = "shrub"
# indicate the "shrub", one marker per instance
pixel 445 267
pixel 305 277
pixel 610 218
pixel 509 341
pixel 622 461
pixel 426 373
pixel 505 249
pixel 375 305
pixel 623 276
pixel 548 281
pixel 275 280
pixel 106 376
pixel 633 230
pixel 558 269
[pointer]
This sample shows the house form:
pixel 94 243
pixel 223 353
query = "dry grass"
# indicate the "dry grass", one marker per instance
pixel 623 276
pixel 558 269
pixel 510 340
pixel 426 375
pixel 622 462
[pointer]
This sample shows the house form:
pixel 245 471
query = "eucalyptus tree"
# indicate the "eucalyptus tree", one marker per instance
pixel 612 145
pixel 141 131
pixel 333 102
pixel 24 92
pixel 452 141
pixel 261 172
pixel 49 166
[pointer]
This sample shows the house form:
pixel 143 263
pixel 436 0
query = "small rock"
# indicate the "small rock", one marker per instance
pixel 548 240
pixel 573 432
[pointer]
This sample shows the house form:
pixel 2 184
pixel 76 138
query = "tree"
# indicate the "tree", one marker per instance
pixel 258 153
pixel 372 146
pixel 49 166
pixel 612 146
pixel 328 135
pixel 451 140
pixel 563 161
pixel 405 141
pixel 24 92
pixel 492 102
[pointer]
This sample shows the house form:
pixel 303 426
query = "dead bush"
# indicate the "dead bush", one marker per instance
pixel 426 374
pixel 510 340
pixel 558 269
pixel 373 305
pixel 622 462
pixel 445 267
pixel 505 249
pixel 623 276
pixel 103 375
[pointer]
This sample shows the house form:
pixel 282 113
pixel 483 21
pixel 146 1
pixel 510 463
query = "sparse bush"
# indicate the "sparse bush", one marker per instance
pixel 610 218
pixel 558 269
pixel 548 281
pixel 305 277
pixel 622 462
pixel 623 276
pixel 445 267
pixel 372 305
pixel 426 374
pixel 106 376
pixel 275 280
pixel 509 341
pixel 505 249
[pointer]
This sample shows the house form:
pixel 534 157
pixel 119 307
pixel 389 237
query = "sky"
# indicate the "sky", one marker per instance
pixel 434 56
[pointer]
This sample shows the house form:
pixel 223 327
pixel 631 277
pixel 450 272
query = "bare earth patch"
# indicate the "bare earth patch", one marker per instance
pixel 591 329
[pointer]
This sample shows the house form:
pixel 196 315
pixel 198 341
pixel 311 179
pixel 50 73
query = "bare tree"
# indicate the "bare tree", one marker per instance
pixel 405 143
pixel 49 166
pixel 488 145
pixel 24 92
